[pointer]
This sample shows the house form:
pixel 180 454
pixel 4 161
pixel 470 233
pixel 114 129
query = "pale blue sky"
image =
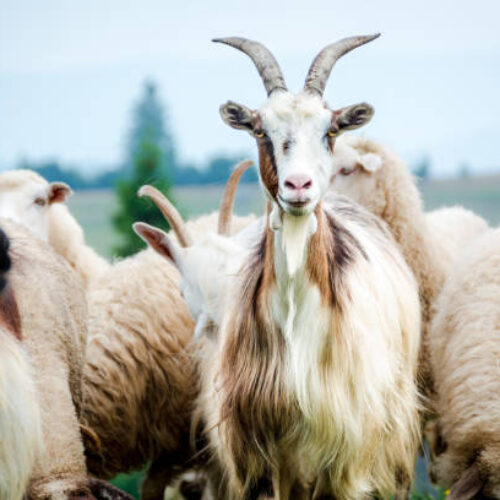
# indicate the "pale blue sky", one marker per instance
pixel 70 71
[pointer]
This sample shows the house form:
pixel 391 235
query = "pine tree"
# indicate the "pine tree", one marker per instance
pixel 150 158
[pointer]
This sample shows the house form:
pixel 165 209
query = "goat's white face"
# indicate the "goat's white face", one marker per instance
pixel 26 197
pixel 295 136
pixel 295 133
pixel 354 171
pixel 297 127
pixel 206 268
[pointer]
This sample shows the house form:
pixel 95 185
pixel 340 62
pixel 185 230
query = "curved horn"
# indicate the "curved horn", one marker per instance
pixel 266 64
pixel 226 206
pixel 323 63
pixel 169 212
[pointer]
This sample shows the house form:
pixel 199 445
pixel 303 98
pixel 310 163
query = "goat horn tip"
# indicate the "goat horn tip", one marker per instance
pixel 145 191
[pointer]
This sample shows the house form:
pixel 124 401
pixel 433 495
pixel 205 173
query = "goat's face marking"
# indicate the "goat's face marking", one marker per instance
pixel 295 135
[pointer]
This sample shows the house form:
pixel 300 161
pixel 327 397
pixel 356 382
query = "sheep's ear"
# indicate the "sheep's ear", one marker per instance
pixel 370 162
pixel 352 117
pixel 59 192
pixel 238 116
pixel 159 241
pixel 468 486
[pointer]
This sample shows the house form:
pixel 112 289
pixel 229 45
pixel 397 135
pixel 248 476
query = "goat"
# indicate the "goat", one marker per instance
pixel 313 381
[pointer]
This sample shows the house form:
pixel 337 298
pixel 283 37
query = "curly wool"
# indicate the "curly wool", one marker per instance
pixel 465 352
pixel 140 379
pixel 52 307
pixel 68 240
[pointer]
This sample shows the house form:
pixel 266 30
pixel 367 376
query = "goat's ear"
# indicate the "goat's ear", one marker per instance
pixel 371 162
pixel 468 486
pixel 352 117
pixel 59 192
pixel 238 116
pixel 160 242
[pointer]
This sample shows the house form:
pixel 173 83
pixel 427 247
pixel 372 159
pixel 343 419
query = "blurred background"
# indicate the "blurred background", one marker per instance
pixel 108 95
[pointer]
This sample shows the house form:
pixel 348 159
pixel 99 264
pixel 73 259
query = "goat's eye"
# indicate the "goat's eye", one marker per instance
pixel 40 201
pixel 332 133
pixel 259 134
pixel 346 171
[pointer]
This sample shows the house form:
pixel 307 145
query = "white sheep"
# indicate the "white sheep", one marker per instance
pixel 20 420
pixel 29 199
pixel 465 352
pixel 48 305
pixel 375 177
pixel 312 380
pixel 122 302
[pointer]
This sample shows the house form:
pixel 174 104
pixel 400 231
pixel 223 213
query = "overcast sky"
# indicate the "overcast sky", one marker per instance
pixel 70 72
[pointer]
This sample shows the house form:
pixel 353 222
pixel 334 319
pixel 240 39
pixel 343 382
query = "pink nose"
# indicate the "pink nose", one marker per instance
pixel 298 182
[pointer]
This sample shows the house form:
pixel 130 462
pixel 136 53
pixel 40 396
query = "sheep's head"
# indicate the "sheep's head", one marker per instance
pixel 295 133
pixel 355 170
pixel 25 197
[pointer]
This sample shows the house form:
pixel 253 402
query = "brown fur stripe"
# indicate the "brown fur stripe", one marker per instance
pixel 267 166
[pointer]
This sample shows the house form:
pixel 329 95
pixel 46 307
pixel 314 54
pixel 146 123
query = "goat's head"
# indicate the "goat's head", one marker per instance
pixel 25 197
pixel 202 264
pixel 295 133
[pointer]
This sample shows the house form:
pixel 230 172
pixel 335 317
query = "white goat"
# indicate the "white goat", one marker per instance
pixel 313 381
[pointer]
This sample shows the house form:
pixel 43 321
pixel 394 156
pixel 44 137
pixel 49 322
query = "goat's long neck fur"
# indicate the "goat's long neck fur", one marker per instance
pixel 296 380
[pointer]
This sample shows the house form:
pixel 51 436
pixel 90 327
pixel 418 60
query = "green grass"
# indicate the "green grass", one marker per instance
pixel 93 210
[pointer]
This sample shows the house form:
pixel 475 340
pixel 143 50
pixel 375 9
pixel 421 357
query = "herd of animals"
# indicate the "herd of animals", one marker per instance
pixel 305 354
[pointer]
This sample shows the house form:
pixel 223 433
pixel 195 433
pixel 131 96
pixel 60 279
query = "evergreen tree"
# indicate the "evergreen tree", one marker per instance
pixel 150 158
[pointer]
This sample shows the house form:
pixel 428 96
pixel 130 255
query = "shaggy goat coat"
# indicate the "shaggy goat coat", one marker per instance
pixel 465 347
pixel 391 193
pixel 53 318
pixel 329 399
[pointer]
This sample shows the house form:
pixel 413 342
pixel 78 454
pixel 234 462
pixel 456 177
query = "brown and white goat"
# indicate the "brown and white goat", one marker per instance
pixel 312 386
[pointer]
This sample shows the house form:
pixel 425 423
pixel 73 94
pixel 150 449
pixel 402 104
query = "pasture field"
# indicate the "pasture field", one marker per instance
pixel 94 209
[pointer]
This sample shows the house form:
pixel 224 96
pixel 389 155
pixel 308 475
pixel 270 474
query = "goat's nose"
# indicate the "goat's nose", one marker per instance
pixel 298 182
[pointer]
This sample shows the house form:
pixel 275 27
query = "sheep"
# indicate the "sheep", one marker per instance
pixel 457 227
pixel 140 380
pixel 52 330
pixel 372 175
pixel 465 351
pixel 311 388
pixel 20 419
pixel 29 199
